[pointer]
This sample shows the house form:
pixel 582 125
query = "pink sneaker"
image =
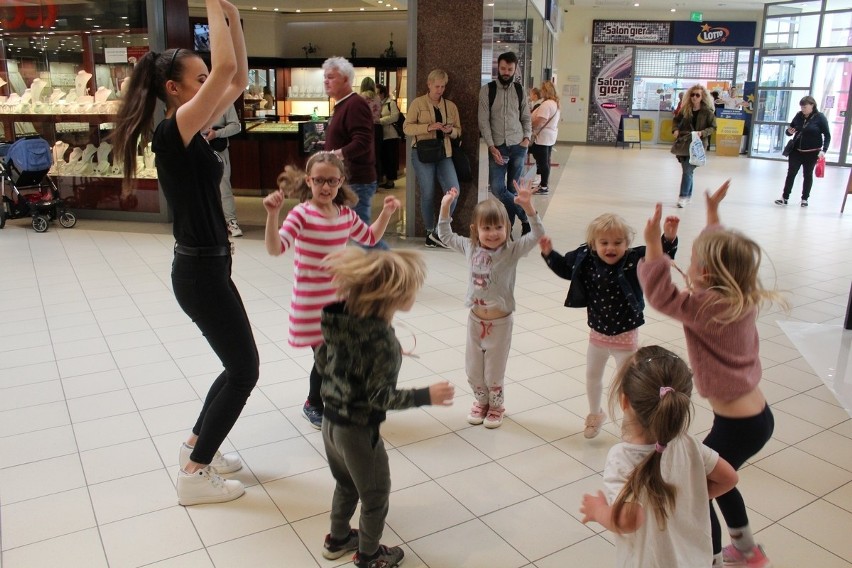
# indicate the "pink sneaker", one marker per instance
pixel 731 557
pixel 494 418
pixel 477 415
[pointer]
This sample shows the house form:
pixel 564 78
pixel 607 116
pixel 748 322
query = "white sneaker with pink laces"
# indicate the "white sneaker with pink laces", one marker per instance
pixel 494 418
pixel 732 556
pixel 477 415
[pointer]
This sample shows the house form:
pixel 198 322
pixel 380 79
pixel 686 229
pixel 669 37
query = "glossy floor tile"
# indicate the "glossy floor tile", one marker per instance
pixel 101 375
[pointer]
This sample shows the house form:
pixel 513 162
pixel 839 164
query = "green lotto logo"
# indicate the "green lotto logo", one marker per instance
pixel 713 35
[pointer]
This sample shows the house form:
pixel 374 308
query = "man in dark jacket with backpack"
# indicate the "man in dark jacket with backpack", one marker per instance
pixel 506 127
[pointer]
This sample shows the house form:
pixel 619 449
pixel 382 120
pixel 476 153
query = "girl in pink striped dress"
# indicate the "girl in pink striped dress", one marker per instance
pixel 320 224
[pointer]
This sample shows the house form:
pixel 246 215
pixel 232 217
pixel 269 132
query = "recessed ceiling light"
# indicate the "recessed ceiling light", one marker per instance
pixel 361 9
pixel 673 10
pixel 331 9
pixel 636 5
pixel 298 11
pixel 254 7
pixel 275 9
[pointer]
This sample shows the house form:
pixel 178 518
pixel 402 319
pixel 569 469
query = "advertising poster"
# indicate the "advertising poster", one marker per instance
pixel 631 32
pixel 611 91
pixel 729 134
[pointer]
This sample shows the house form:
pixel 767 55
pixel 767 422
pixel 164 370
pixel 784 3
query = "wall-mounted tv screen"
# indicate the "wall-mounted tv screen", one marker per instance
pixel 551 15
pixel 200 36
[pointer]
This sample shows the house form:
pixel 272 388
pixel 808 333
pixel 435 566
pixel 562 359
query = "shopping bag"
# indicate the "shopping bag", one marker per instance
pixel 819 171
pixel 697 157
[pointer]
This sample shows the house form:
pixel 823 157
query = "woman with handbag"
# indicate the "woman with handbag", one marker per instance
pixel 431 123
pixel 390 138
pixel 696 115
pixel 545 123
pixel 811 137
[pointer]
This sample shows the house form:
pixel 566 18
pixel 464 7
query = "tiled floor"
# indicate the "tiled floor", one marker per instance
pixel 101 374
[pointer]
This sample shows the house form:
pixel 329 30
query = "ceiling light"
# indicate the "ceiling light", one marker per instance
pixel 275 9
pixel 298 11
pixel 361 9
pixel 636 5
pixel 254 7
pixel 331 9
pixel 672 10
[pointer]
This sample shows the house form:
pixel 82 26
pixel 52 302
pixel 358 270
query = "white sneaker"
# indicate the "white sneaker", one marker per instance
pixel 204 486
pixel 682 202
pixel 234 228
pixel 220 464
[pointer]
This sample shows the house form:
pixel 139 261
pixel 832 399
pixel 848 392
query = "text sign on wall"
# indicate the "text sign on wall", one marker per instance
pixel 115 54
pixel 716 34
pixel 631 32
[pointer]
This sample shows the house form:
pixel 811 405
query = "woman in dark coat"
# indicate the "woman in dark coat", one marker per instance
pixel 811 137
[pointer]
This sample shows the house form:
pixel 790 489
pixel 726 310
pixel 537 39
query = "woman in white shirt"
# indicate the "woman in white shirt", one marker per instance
pixel 545 123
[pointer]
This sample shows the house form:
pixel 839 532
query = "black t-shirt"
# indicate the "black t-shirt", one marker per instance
pixel 190 179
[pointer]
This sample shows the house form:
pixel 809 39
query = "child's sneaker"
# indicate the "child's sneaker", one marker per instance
pixel 334 549
pixel 756 559
pixel 313 415
pixel 204 486
pixel 494 417
pixel 477 415
pixel 220 464
pixel 385 557
pixel 593 424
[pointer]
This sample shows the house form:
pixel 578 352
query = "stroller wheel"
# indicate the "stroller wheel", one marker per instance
pixel 40 223
pixel 67 219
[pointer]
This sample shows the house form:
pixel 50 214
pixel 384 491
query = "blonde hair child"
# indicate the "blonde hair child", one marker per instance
pixel 320 224
pixel 658 480
pixel 603 279
pixel 492 260
pixel 359 362
pixel 719 313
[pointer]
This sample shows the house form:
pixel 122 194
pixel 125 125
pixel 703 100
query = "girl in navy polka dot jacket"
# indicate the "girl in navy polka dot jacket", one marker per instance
pixel 603 280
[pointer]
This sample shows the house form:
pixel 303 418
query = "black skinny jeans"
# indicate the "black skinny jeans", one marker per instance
pixel 206 293
pixel 541 154
pixel 805 160
pixel 736 440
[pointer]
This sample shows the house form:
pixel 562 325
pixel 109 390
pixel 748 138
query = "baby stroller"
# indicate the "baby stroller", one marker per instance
pixel 23 167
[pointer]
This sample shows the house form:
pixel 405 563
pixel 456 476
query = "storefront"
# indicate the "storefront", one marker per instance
pixel 641 67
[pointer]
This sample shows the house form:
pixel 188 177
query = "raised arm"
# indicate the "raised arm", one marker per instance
pixel 207 105
pixel 237 39
pixel 380 225
pixel 272 203
pixel 653 234
pixel 713 201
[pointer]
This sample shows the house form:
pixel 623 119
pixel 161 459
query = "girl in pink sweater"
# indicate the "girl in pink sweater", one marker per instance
pixel 718 312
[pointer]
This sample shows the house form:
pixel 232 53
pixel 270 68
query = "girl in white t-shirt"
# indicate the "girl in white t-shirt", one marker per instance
pixel 657 482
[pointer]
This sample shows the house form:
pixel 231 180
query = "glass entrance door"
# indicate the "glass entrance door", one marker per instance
pixel 831 86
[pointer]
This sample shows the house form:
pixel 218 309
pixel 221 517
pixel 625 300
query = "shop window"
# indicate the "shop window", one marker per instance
pixel 791 32
pixel 838 5
pixel 812 6
pixel 778 105
pixel 786 71
pixel 836 29
pixel 675 63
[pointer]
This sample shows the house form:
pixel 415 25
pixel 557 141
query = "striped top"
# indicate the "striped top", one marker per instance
pixel 313 236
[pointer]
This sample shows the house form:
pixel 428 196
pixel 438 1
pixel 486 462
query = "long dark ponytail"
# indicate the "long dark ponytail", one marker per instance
pixel 135 119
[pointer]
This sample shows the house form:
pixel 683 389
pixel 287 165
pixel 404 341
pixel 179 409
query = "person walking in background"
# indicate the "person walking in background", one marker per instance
pixel 371 95
pixel 811 138
pixel 349 134
pixel 320 224
pixel 658 479
pixel 696 115
pixel 506 126
pixel 189 172
pixel 492 261
pixel 603 279
pixel 431 116
pixel 545 125
pixel 390 138
pixel 719 316
pixel 226 126
pixel 360 361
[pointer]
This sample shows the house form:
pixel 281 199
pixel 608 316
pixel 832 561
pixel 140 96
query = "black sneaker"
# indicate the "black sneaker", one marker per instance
pixel 334 549
pixel 429 242
pixel 781 201
pixel 385 557
pixel 542 190
pixel 525 228
pixel 433 236
pixel 804 202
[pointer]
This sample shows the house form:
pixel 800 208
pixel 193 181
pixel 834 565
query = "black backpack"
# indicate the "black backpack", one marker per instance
pixel 399 122
pixel 492 94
